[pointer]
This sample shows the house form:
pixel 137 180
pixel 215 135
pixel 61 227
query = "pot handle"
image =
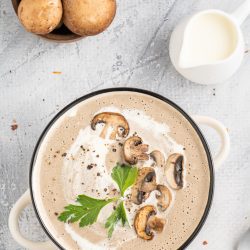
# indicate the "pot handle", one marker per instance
pixel 224 136
pixel 18 207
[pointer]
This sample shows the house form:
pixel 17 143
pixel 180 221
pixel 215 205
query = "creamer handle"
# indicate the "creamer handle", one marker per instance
pixel 15 212
pixel 242 12
pixel 224 136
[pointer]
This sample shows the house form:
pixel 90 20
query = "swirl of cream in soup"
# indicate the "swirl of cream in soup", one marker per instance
pixel 87 170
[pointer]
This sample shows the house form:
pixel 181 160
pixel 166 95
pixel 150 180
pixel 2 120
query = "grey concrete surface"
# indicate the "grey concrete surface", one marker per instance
pixel 132 52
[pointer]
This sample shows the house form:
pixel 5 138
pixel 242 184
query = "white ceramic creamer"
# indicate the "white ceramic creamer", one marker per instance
pixel 208 47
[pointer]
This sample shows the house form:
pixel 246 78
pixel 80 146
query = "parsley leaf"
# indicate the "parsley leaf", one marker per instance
pixel 87 209
pixel 124 176
pixel 87 212
pixel 115 217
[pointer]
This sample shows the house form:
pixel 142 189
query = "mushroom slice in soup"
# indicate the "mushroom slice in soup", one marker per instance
pixel 145 184
pixel 175 171
pixel 134 150
pixel 164 198
pixel 158 158
pixel 146 222
pixel 117 121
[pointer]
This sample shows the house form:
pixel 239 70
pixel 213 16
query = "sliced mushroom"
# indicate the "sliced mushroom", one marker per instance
pixel 158 158
pixel 115 120
pixel 146 221
pixel 174 171
pixel 134 150
pixel 164 198
pixel 145 184
pixel 156 223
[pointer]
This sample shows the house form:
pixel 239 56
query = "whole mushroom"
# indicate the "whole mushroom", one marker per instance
pixel 117 121
pixel 134 150
pixel 146 221
pixel 144 185
pixel 40 16
pixel 88 17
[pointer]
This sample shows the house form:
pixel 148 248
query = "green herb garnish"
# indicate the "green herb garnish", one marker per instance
pixel 87 212
pixel 124 176
pixel 89 208
pixel 118 214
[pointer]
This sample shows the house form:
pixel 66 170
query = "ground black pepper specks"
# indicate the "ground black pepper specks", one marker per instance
pixel 90 166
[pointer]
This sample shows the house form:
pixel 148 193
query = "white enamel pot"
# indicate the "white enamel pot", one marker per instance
pixel 28 197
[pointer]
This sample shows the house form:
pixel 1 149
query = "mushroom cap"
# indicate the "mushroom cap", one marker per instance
pixel 134 150
pixel 165 197
pixel 146 221
pixel 158 158
pixel 117 121
pixel 144 185
pixel 40 16
pixel 175 171
pixel 88 17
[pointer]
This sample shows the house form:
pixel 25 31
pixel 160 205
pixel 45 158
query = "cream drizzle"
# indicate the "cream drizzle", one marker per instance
pixel 155 134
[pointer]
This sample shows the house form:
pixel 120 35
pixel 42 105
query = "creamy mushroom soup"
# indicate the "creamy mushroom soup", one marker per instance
pixel 168 198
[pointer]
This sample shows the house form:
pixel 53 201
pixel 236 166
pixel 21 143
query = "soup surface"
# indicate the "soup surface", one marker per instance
pixel 73 159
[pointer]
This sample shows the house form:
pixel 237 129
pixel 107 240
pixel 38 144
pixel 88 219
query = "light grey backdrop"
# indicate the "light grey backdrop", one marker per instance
pixel 132 52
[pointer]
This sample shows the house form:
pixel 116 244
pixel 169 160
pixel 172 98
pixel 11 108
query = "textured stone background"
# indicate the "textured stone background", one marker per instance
pixel 132 52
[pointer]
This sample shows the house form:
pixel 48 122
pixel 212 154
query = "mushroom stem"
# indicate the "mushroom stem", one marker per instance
pixel 156 223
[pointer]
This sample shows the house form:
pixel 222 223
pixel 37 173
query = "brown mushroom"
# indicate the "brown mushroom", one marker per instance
pixel 40 16
pixel 88 17
pixel 134 150
pixel 175 171
pixel 115 120
pixel 158 158
pixel 164 198
pixel 146 221
pixel 145 184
